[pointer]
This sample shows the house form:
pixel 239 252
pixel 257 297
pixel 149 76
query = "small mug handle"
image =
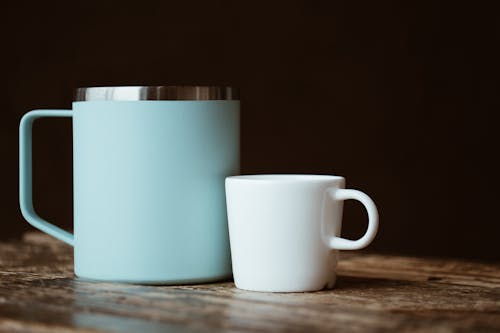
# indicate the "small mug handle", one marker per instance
pixel 339 243
pixel 26 177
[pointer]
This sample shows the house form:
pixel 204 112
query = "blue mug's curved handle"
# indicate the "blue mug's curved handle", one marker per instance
pixel 25 174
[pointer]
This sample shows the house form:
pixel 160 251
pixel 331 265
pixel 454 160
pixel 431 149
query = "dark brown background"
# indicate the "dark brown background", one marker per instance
pixel 401 98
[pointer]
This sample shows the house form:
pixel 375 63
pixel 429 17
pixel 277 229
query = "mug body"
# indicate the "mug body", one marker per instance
pixel 275 231
pixel 149 203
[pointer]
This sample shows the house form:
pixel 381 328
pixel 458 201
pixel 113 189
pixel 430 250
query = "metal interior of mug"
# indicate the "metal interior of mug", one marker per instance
pixel 155 93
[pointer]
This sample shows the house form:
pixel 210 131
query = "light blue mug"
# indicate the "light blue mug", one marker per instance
pixel 149 168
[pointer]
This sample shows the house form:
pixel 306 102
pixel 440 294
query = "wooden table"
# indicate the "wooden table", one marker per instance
pixel 374 293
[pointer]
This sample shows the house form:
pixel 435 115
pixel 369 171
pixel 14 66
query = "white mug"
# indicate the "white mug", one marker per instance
pixel 284 230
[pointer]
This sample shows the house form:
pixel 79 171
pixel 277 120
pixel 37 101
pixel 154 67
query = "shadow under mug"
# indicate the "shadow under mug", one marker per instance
pixel 149 167
pixel 285 230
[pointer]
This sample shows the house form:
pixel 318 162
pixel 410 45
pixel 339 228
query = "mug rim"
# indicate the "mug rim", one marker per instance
pixel 156 93
pixel 284 178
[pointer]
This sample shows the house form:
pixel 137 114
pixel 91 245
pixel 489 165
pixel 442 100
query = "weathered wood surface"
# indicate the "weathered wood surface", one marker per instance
pixel 374 293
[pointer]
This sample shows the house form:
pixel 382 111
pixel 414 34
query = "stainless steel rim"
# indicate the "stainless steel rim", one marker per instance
pixel 155 93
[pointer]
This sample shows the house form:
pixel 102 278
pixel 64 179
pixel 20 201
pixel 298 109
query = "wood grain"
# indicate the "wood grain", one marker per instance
pixel 374 293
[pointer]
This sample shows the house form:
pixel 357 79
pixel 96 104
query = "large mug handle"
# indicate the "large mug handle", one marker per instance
pixel 26 177
pixel 339 243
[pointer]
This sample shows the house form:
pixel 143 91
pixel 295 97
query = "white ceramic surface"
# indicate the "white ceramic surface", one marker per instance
pixel 284 230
